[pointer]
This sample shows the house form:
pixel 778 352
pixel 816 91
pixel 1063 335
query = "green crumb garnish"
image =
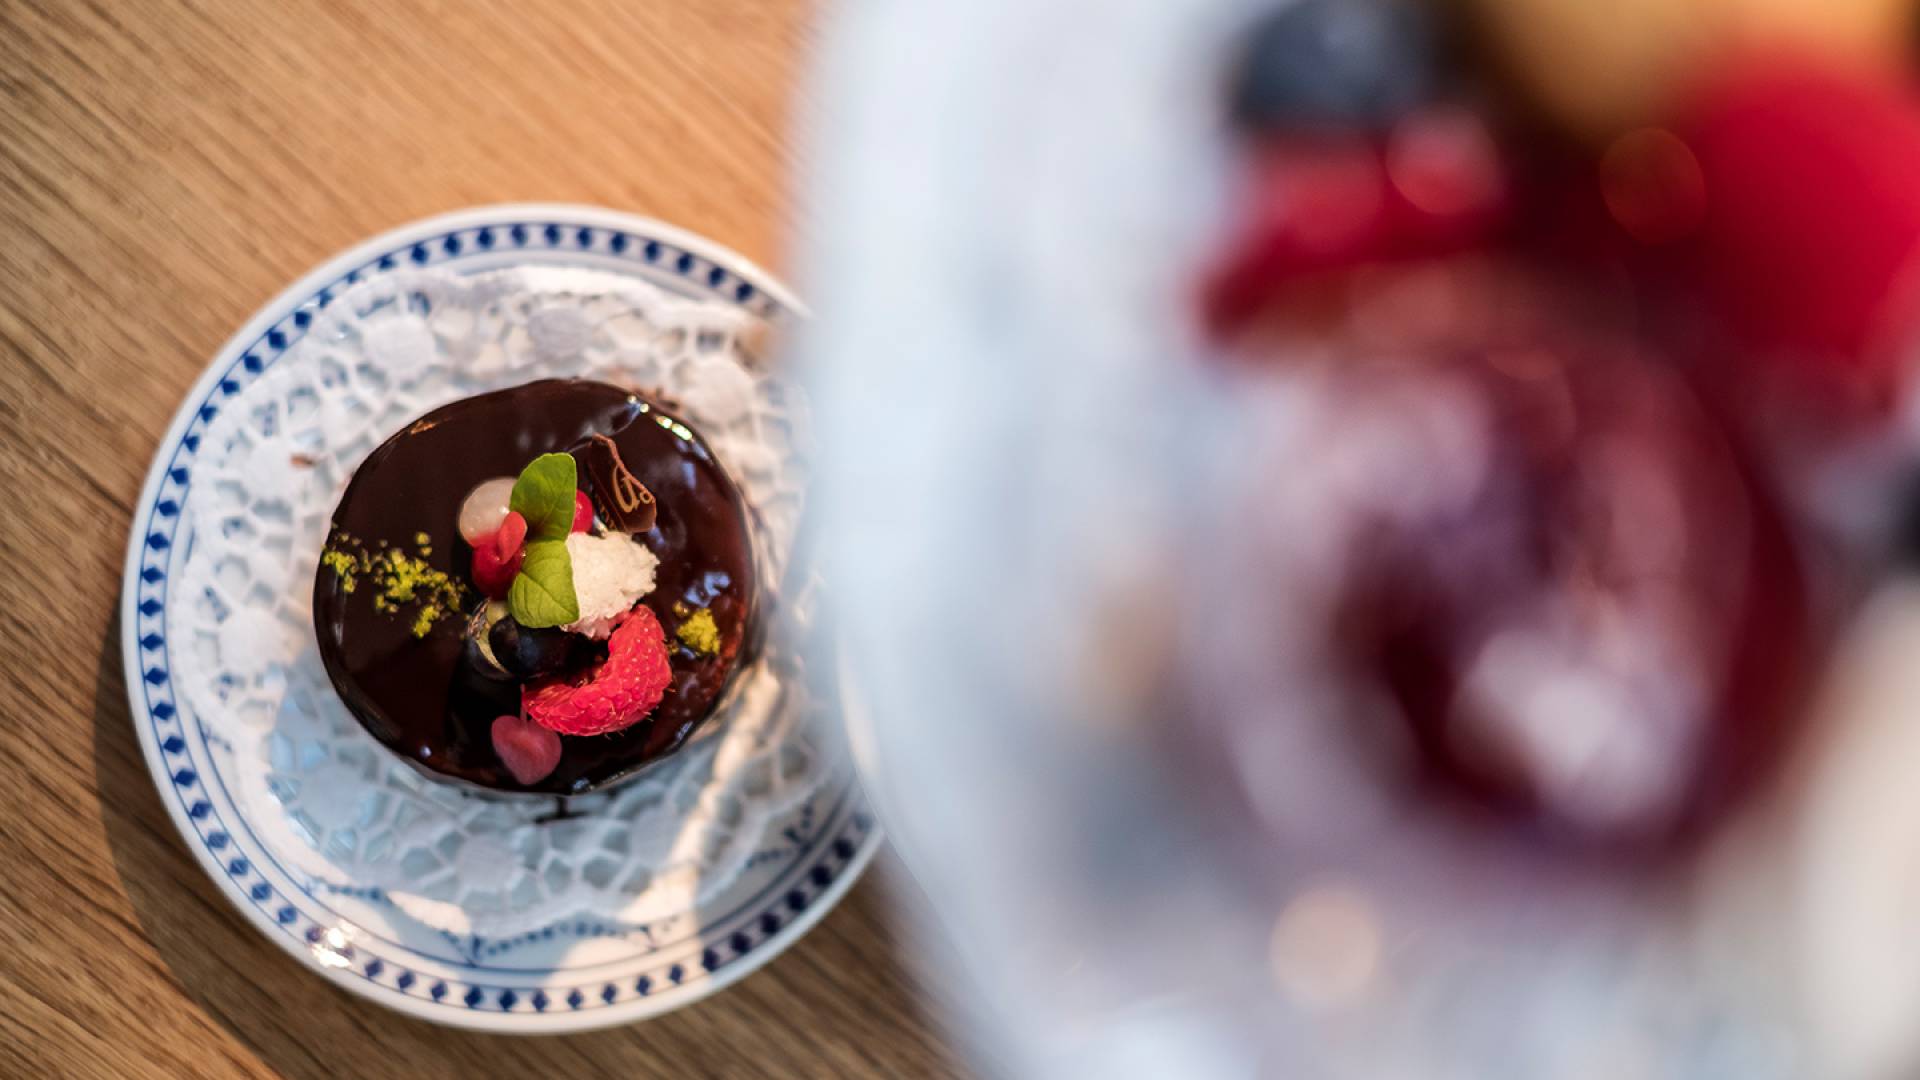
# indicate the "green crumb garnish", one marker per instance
pixel 699 633
pixel 399 580
pixel 343 565
pixel 422 539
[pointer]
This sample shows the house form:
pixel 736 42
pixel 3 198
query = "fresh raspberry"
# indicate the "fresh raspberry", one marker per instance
pixel 1808 247
pixel 614 695
pixel 582 512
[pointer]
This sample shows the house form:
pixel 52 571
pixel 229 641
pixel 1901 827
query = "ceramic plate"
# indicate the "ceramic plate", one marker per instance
pixel 578 970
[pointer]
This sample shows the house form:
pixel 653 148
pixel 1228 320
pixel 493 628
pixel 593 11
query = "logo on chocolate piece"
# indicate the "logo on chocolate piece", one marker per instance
pixel 623 501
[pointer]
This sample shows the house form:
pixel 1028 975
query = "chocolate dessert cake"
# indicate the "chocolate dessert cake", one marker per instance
pixel 540 590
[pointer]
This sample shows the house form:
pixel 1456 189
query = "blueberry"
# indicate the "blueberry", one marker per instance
pixel 526 652
pixel 476 650
pixel 1320 64
pixel 474 659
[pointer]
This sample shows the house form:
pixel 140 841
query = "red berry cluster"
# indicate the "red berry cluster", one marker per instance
pixel 497 556
pixel 1766 227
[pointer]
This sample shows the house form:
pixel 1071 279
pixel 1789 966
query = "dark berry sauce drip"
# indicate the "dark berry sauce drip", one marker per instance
pixel 417 695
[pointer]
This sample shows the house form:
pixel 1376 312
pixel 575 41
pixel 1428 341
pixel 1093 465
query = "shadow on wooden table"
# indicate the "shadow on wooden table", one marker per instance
pixel 839 1003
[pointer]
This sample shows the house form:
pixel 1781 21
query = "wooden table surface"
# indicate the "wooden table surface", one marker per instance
pixel 165 168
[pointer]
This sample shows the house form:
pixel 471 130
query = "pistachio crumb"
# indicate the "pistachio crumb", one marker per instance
pixel 700 633
pixel 399 580
pixel 342 565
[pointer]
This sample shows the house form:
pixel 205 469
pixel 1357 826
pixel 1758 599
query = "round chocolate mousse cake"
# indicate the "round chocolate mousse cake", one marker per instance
pixel 541 589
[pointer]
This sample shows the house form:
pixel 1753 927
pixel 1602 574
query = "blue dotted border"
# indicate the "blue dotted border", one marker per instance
pixel 760 924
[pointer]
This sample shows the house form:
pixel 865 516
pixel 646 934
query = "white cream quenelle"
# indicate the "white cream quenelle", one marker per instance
pixel 611 573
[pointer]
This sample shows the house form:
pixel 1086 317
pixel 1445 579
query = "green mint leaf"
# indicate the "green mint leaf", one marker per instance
pixel 542 593
pixel 544 496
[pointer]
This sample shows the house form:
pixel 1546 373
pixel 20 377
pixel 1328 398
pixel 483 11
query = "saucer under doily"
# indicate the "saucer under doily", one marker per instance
pixel 471 911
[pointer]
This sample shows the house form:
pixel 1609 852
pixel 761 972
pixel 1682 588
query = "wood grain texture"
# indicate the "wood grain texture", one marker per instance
pixel 165 168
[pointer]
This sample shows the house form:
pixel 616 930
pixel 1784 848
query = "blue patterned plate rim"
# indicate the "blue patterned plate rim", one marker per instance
pixel 449 991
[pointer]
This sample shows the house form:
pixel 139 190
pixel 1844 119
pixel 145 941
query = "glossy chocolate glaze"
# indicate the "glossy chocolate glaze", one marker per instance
pixel 416 695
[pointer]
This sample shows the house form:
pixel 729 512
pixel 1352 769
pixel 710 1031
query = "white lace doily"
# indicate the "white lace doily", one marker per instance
pixel 321 793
